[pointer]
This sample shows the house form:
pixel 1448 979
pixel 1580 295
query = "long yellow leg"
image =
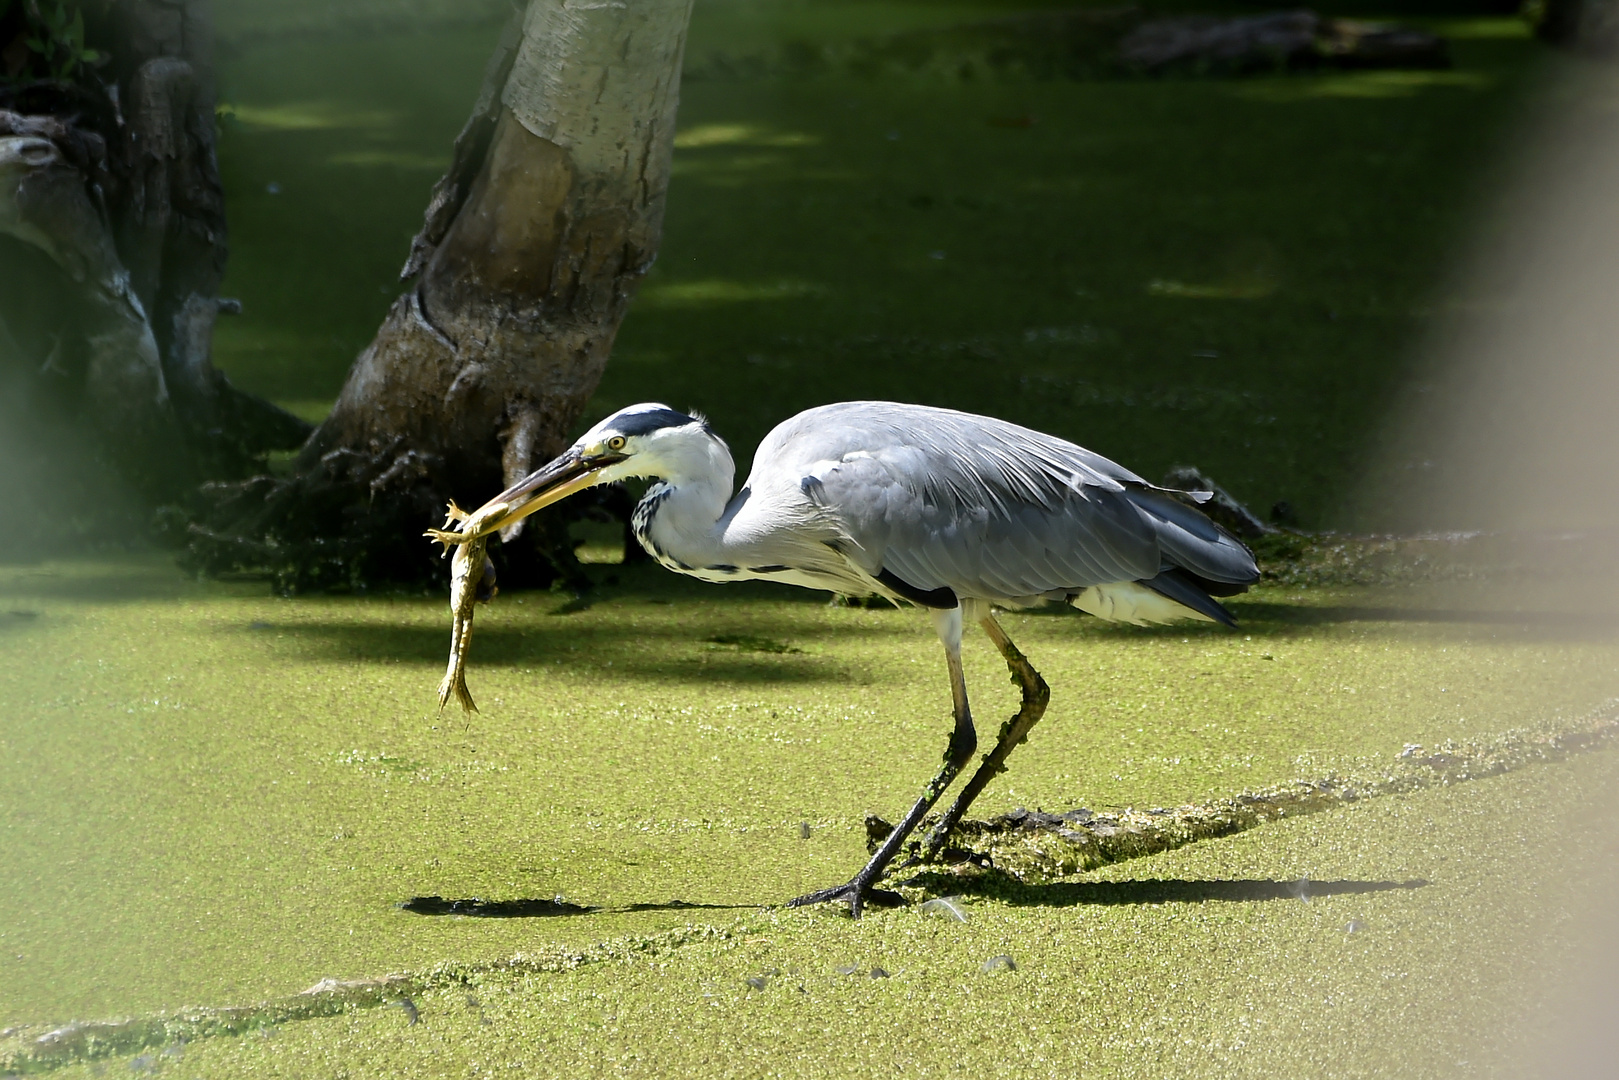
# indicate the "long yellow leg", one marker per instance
pixel 1036 695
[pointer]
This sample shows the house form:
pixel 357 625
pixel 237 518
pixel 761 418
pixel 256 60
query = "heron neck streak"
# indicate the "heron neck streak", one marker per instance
pixel 680 525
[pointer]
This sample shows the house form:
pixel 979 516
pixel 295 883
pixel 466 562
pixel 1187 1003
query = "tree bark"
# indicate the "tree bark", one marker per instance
pixel 532 247
pixel 112 248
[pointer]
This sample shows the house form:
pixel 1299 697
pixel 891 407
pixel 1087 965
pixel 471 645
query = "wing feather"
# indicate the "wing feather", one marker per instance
pixel 988 509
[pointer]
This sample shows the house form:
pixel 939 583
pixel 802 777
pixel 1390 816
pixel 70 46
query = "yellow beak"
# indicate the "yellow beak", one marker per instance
pixel 549 484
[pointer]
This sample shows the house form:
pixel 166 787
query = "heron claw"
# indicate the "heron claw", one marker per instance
pixel 856 893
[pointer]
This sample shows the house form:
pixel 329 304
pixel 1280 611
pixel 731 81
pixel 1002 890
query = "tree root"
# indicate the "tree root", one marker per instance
pixel 353 522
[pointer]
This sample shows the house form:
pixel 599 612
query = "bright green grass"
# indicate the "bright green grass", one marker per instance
pixel 1235 274
pixel 213 796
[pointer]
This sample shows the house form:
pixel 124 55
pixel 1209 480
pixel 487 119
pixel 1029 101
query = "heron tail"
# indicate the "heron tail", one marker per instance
pixel 1215 561
pixel 1176 584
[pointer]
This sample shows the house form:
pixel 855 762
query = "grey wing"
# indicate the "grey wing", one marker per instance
pixel 1191 542
pixel 987 509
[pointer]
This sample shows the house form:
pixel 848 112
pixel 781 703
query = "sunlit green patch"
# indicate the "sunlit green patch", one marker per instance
pixel 1485 29
pixel 705 135
pixel 1256 290
pixel 391 159
pixel 1388 939
pixel 1366 85
pixel 675 294
pixel 598 542
pixel 313 411
pixel 309 116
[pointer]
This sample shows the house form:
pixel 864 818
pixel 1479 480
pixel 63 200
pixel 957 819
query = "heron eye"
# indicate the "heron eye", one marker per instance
pixel 616 443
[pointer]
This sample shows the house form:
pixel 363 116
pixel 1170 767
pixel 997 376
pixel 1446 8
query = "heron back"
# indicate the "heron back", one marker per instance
pixel 990 510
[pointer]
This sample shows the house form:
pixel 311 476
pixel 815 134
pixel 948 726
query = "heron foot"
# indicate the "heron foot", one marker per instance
pixel 941 855
pixel 934 849
pixel 857 894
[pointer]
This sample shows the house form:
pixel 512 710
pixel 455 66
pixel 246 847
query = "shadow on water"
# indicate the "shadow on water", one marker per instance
pixel 998 887
pixel 1174 891
pixel 18 619
pixel 542 909
pixel 1261 618
pixel 705 649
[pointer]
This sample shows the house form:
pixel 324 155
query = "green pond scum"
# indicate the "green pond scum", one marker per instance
pixel 1418 946
pixel 214 797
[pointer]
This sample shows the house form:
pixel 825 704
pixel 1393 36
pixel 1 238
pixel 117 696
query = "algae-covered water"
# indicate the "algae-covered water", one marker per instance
pixel 212 796
pixel 1430 941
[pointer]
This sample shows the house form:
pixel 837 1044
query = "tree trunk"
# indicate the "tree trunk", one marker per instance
pixel 533 245
pixel 112 248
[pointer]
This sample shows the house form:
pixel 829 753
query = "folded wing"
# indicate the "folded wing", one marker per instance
pixel 990 510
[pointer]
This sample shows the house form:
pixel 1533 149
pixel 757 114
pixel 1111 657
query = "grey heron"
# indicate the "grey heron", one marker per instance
pixel 954 513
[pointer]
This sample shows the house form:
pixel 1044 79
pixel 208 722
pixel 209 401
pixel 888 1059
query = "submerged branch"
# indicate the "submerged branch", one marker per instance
pixel 1032 845
pixel 38 1047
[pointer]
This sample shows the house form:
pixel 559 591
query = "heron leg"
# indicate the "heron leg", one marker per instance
pixel 1036 695
pixel 958 752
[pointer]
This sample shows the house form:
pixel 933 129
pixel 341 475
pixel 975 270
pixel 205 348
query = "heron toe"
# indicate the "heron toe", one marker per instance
pixel 857 894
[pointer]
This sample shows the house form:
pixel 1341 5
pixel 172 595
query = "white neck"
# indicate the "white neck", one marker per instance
pixel 679 520
pixel 690 522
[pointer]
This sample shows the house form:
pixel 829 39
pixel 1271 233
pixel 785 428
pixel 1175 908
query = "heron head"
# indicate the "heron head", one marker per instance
pixel 649 439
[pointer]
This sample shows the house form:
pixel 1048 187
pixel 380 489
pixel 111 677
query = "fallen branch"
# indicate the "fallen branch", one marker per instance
pixel 38 1047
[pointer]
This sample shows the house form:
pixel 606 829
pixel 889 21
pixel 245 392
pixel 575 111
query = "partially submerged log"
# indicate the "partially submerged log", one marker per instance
pixel 1221 506
pixel 1032 846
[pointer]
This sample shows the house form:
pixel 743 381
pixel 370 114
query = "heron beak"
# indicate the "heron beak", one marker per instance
pixel 571 472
